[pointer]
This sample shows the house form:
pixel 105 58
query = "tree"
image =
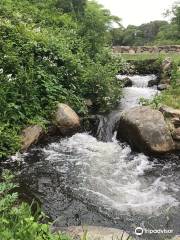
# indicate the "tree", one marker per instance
pixel 95 27
pixel 171 34
pixel 72 6
pixel 176 15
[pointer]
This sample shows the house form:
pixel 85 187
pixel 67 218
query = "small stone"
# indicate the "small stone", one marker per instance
pixel 162 87
pixel 88 102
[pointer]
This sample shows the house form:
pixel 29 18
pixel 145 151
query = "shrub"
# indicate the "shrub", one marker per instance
pixel 47 55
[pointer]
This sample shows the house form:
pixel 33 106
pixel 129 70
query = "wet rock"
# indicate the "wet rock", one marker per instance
pixel 170 112
pixel 31 135
pixel 176 134
pixel 126 82
pixel 66 120
pixel 153 82
pixel 145 130
pixel 96 233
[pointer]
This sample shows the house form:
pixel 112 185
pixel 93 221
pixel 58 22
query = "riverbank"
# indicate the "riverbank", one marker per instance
pixel 170 97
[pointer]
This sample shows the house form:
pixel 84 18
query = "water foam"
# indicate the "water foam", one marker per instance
pixel 140 81
pixel 109 175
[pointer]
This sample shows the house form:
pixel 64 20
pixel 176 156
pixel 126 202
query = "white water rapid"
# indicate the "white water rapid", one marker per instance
pixel 82 180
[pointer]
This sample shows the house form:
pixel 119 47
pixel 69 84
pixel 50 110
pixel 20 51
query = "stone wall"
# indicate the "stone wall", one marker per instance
pixel 147 49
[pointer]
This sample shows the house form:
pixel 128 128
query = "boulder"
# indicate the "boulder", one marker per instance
pixel 30 136
pixel 126 82
pixel 145 130
pixel 96 233
pixel 66 120
pixel 170 112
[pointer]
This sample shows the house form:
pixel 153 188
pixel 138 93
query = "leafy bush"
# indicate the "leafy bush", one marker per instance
pixel 16 220
pixel 9 140
pixel 49 53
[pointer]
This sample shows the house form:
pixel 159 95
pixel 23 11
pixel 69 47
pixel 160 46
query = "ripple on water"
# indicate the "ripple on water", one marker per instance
pixel 109 173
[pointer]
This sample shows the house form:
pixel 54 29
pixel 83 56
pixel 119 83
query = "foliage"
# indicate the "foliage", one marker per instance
pixel 137 35
pixel 49 53
pixel 94 29
pixel 16 220
pixel 101 86
pixel 170 97
pixel 154 32
pixel 9 140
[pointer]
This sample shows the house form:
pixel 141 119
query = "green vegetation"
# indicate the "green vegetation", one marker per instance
pixel 52 51
pixel 151 57
pixel 170 97
pixel 153 33
pixel 16 219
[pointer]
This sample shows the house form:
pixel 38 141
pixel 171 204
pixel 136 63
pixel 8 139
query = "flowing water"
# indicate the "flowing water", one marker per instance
pixel 81 180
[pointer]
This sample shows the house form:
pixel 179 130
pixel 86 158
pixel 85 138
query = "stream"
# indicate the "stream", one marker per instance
pixel 83 180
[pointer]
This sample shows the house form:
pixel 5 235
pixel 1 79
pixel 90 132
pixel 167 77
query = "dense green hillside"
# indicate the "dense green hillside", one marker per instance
pixel 52 51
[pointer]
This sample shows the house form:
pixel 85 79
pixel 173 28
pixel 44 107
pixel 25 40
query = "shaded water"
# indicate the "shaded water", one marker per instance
pixel 81 180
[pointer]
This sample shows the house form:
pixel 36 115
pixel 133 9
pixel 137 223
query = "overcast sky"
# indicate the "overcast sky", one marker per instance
pixel 137 12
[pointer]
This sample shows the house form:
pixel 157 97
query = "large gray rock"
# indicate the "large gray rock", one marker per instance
pixel 96 233
pixel 145 130
pixel 30 136
pixel 66 120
